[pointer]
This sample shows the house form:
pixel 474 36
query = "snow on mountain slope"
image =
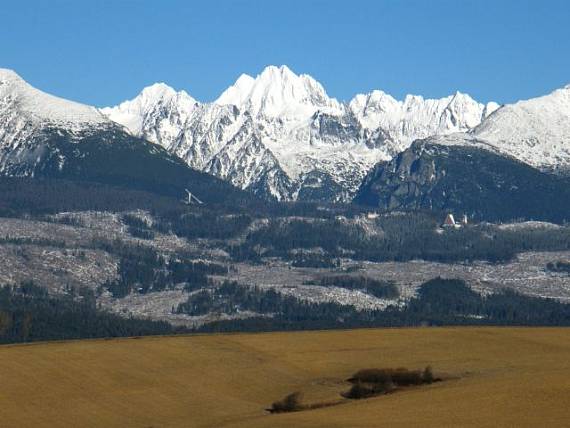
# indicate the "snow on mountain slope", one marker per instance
pixel 289 129
pixel 159 111
pixel 416 117
pixel 279 93
pixel 278 134
pixel 301 126
pixel 49 137
pixel 535 131
pixel 26 113
pixel 37 107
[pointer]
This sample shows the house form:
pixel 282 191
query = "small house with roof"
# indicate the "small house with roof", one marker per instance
pixel 449 221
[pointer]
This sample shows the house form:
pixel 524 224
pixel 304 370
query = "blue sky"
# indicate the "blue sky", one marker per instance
pixel 102 52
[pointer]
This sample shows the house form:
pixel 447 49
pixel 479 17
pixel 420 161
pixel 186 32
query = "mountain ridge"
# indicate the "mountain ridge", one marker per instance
pixel 291 120
pixel 278 135
pixel 472 179
pixel 49 137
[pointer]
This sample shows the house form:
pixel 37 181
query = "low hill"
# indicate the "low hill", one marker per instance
pixel 464 177
pixel 494 377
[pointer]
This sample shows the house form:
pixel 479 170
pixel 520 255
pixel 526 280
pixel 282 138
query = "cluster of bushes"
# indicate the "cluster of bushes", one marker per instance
pixel 231 297
pixel 291 403
pixel 189 222
pixel 68 220
pixel 202 223
pixel 371 382
pixel 140 233
pixel 314 260
pixel 142 269
pixel 559 266
pixel 377 288
pixel 365 383
pixel 137 227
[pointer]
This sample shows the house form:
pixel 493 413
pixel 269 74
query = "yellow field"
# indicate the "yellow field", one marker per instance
pixel 511 377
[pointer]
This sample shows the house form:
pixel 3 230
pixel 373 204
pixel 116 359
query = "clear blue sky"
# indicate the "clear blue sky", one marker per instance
pixel 102 52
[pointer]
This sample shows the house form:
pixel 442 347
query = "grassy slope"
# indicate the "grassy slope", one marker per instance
pixel 509 377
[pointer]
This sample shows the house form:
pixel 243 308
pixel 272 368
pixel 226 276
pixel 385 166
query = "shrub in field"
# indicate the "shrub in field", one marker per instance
pixel 371 382
pixel 360 390
pixel 427 375
pixel 400 376
pixel 290 403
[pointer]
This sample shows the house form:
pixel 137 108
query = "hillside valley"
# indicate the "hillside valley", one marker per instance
pixel 198 267
pixel 277 207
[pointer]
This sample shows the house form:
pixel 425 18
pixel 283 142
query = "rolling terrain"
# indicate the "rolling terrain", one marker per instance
pixel 495 377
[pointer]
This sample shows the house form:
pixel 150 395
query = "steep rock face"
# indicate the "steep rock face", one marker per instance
pixel 500 169
pixel 45 136
pixel 461 176
pixel 295 142
pixel 248 164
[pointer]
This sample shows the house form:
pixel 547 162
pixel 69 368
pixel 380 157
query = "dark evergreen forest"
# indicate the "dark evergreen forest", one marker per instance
pixel 439 302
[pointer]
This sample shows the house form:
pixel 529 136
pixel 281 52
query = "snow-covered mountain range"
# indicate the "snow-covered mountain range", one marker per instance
pixel 45 136
pixel 515 163
pixel 535 132
pixel 280 135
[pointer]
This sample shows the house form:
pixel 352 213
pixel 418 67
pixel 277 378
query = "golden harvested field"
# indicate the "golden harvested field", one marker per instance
pixel 506 377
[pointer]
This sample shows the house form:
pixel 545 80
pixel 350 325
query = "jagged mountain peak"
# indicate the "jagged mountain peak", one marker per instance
pixel 162 91
pixel 49 137
pixel 418 117
pixel 159 93
pixel 278 91
pixel 460 98
pixel 155 100
pixel 158 90
pixel 238 92
pixel 377 96
pixel 375 101
pixel 34 106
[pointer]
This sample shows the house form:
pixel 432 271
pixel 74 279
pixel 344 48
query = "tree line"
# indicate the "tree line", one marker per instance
pixel 28 313
pixel 402 237
pixel 438 302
